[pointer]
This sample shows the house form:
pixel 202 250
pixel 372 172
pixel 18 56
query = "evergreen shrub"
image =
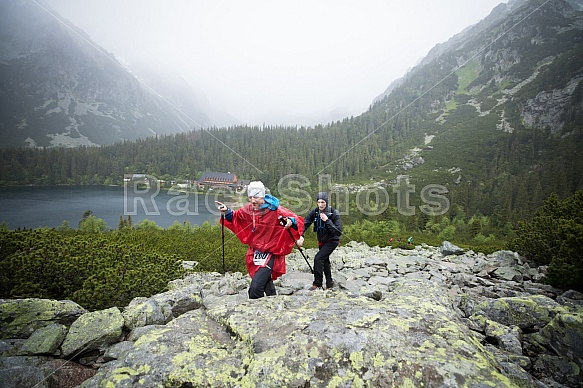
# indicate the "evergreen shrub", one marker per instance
pixel 554 237
pixel 106 269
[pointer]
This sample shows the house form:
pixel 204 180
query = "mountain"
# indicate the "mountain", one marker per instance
pixel 58 88
pixel 493 116
pixel 457 41
pixel 521 43
pixel 183 96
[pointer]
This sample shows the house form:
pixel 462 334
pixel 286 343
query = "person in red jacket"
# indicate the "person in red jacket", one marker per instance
pixel 269 230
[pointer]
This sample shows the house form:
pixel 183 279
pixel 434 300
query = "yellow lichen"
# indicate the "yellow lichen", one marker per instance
pixel 378 360
pixel 357 360
pixel 153 336
pixel 125 373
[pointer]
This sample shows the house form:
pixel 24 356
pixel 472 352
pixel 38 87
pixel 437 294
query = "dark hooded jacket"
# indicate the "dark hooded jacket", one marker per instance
pixel 331 230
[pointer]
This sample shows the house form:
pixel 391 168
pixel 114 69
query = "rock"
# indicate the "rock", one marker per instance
pixel 143 312
pixel 45 340
pixel 507 338
pixel 190 264
pixel 408 339
pixel 508 273
pixel 448 248
pixel 564 334
pixel 93 331
pixel 17 372
pixel 11 347
pixel 571 298
pixel 192 349
pixel 517 375
pixel 19 318
pixel 66 374
pixel 178 301
pixel 505 259
pixel 42 372
pixel 118 350
pixel 553 370
pixel 376 295
pixel 534 311
pixel 295 281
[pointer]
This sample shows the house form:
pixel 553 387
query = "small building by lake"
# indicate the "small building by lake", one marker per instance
pixel 217 180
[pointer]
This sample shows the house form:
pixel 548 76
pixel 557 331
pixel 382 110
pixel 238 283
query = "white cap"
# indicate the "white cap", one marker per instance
pixel 256 189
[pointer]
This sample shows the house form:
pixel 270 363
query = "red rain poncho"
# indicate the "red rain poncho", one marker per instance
pixel 261 231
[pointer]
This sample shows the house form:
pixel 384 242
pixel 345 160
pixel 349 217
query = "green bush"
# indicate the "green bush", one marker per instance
pixel 554 237
pixel 372 233
pixel 104 269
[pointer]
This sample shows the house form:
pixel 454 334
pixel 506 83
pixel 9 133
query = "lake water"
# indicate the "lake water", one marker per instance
pixel 40 206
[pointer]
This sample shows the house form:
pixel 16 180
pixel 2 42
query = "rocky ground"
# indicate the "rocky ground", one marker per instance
pixel 428 316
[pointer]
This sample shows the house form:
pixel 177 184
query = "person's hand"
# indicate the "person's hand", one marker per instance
pixel 286 222
pixel 300 241
pixel 222 207
pixel 323 217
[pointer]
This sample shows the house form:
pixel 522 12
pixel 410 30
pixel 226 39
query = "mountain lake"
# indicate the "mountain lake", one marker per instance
pixel 48 206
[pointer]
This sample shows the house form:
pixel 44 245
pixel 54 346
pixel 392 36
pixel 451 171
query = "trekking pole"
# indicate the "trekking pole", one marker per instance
pixel 282 222
pixel 221 206
pixel 223 235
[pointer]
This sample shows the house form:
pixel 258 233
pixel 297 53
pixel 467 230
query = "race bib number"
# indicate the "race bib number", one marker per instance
pixel 259 258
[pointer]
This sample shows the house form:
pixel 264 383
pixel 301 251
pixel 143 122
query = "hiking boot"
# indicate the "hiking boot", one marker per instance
pixel 313 288
pixel 331 287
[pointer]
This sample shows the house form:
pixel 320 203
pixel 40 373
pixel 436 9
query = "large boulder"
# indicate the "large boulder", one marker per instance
pixel 524 312
pixel 93 331
pixel 192 349
pixel 564 334
pixel 146 311
pixel 45 340
pixel 448 248
pixel 19 318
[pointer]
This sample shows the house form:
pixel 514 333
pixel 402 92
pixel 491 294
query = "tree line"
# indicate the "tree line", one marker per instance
pixel 505 176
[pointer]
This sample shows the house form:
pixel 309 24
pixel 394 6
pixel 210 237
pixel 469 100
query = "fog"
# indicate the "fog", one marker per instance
pixel 276 62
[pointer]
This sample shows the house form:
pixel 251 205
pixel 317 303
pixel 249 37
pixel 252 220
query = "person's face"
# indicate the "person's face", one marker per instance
pixel 256 202
pixel 321 205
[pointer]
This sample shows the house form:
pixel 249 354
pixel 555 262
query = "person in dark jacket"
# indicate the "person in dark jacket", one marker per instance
pixel 328 228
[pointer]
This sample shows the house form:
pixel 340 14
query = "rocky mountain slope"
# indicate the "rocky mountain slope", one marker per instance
pixel 433 317
pixel 495 113
pixel 59 88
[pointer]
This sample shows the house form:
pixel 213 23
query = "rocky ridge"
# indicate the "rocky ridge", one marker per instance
pixel 427 316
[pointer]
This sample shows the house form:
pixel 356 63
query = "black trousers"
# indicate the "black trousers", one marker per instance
pixel 261 284
pixel 322 264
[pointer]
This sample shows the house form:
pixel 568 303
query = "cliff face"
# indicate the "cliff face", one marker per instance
pixel 59 88
pixel 435 317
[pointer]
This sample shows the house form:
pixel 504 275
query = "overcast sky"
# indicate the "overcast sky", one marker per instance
pixel 260 58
